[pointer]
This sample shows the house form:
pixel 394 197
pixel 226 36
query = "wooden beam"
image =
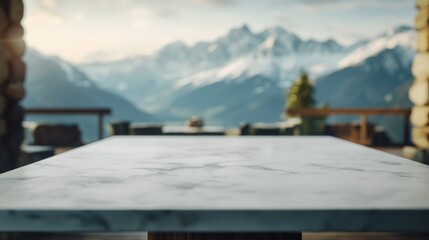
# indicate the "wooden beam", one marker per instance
pixel 420 68
pixel 422 4
pixel 4 72
pixel 2 127
pixel 16 47
pixel 363 129
pixel 347 111
pixel 422 18
pixel 2 105
pixel 17 70
pixel 423 40
pixel 420 136
pixel 16 10
pixel 99 112
pixel 15 91
pixel 77 111
pixel 420 116
pixel 419 92
pixel 14 32
pixel 4 21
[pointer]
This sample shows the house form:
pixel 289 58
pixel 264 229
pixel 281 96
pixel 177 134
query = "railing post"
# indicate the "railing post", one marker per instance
pixel 407 126
pixel 98 112
pixel 100 125
pixel 363 128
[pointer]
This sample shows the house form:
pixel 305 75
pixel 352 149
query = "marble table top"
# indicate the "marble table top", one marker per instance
pixel 217 184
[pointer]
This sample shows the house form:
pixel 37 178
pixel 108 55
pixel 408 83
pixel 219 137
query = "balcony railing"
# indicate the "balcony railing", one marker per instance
pixel 99 112
pixel 363 112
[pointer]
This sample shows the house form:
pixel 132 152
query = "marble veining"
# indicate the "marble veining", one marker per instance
pixel 217 184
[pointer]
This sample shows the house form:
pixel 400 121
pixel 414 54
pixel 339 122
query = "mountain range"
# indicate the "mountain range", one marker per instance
pixel 241 76
pixel 53 82
pixel 274 53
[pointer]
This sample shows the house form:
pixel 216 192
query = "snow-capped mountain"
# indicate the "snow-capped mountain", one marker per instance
pixel 370 83
pixel 403 36
pixel 243 75
pixel 274 53
pixel 381 80
pixel 53 82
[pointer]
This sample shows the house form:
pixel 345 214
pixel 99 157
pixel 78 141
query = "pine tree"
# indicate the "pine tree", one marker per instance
pixel 300 95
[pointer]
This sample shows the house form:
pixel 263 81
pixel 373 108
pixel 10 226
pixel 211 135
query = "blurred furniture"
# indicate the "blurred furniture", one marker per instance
pixel 266 129
pixel 146 129
pixel 195 122
pixel 157 129
pixel 350 132
pixel 120 128
pixel 32 154
pixel 363 112
pixel 46 140
pixel 99 112
pixel 57 135
pixel 193 131
pixel 217 188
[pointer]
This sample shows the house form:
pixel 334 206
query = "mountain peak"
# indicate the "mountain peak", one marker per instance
pixel 403 28
pixel 245 28
pixel 398 30
pixel 332 43
pixel 172 49
pixel 240 32
pixel 177 45
pixel 278 30
pixel 279 33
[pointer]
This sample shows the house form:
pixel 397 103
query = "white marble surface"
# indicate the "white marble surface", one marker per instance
pixel 217 184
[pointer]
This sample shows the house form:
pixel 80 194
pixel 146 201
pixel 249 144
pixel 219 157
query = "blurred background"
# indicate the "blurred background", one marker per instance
pixel 225 61
pixel 73 72
pixel 215 67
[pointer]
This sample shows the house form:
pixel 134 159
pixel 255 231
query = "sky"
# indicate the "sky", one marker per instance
pixel 91 30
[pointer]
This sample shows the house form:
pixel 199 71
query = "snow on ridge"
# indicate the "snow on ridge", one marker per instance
pixel 274 53
pixel 99 71
pixel 284 69
pixel 68 70
pixel 232 70
pixel 405 39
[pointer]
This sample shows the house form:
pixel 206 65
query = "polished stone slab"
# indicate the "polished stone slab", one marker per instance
pixel 218 184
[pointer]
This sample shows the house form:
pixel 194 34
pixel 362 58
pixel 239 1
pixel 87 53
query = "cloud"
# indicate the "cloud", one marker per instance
pixel 78 16
pixel 48 4
pixel 214 2
pixel 285 20
pixel 347 34
pixel 139 12
pixel 47 13
pixel 139 24
pixel 168 13
pixel 280 16
pixel 335 5
pixel 45 19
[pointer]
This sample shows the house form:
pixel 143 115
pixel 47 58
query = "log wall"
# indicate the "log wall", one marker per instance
pixel 12 76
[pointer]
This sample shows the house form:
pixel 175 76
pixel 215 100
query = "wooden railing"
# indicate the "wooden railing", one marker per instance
pixel 99 112
pixel 363 112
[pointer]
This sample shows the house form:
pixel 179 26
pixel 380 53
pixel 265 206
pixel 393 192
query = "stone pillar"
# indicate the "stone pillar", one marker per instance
pixel 12 75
